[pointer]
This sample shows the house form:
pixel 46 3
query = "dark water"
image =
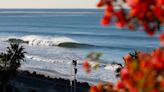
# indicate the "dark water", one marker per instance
pixel 77 27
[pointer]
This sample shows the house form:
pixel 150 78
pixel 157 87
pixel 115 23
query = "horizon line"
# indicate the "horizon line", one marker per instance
pixel 53 8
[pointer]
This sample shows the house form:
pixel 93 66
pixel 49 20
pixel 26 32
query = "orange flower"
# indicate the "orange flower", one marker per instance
pixel 162 83
pixel 94 89
pixel 160 3
pixel 107 16
pixel 127 58
pixel 100 86
pixel 105 21
pixel 144 65
pixel 133 12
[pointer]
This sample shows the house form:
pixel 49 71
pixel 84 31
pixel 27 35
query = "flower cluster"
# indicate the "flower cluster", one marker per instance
pixel 149 14
pixel 143 72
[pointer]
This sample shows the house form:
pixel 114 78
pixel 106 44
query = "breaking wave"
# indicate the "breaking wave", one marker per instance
pixel 33 40
pixel 66 42
pixel 46 41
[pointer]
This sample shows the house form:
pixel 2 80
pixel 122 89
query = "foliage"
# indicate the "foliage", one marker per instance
pixel 16 54
pixel 10 61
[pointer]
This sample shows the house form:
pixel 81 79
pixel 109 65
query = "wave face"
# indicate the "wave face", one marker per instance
pixel 47 41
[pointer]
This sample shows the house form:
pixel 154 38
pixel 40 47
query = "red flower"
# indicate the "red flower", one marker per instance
pixel 127 58
pixel 144 65
pixel 133 12
pixel 120 24
pixel 150 31
pixel 160 3
pixel 124 73
pixel 94 89
pixel 86 66
pixel 144 71
pixel 162 83
pixel 144 12
pixel 157 65
pixel 109 8
pixel 105 21
pixel 131 26
pixel 107 16
pixel 101 3
pixel 154 90
pixel 121 18
pixel 100 86
pixel 132 2
pixel 120 85
pixel 161 38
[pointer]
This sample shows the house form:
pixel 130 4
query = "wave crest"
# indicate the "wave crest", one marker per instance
pixel 46 41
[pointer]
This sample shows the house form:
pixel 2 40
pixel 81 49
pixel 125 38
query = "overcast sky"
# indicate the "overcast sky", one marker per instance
pixel 48 3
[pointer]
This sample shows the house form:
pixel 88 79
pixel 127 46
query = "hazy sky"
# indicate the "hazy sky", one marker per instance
pixel 48 3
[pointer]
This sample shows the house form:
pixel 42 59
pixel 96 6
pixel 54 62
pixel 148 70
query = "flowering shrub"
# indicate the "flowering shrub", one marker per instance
pixel 143 72
pixel 149 14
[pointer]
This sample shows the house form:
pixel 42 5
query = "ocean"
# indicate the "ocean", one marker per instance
pixel 55 37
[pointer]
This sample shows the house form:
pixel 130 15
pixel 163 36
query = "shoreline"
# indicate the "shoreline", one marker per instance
pixel 56 75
